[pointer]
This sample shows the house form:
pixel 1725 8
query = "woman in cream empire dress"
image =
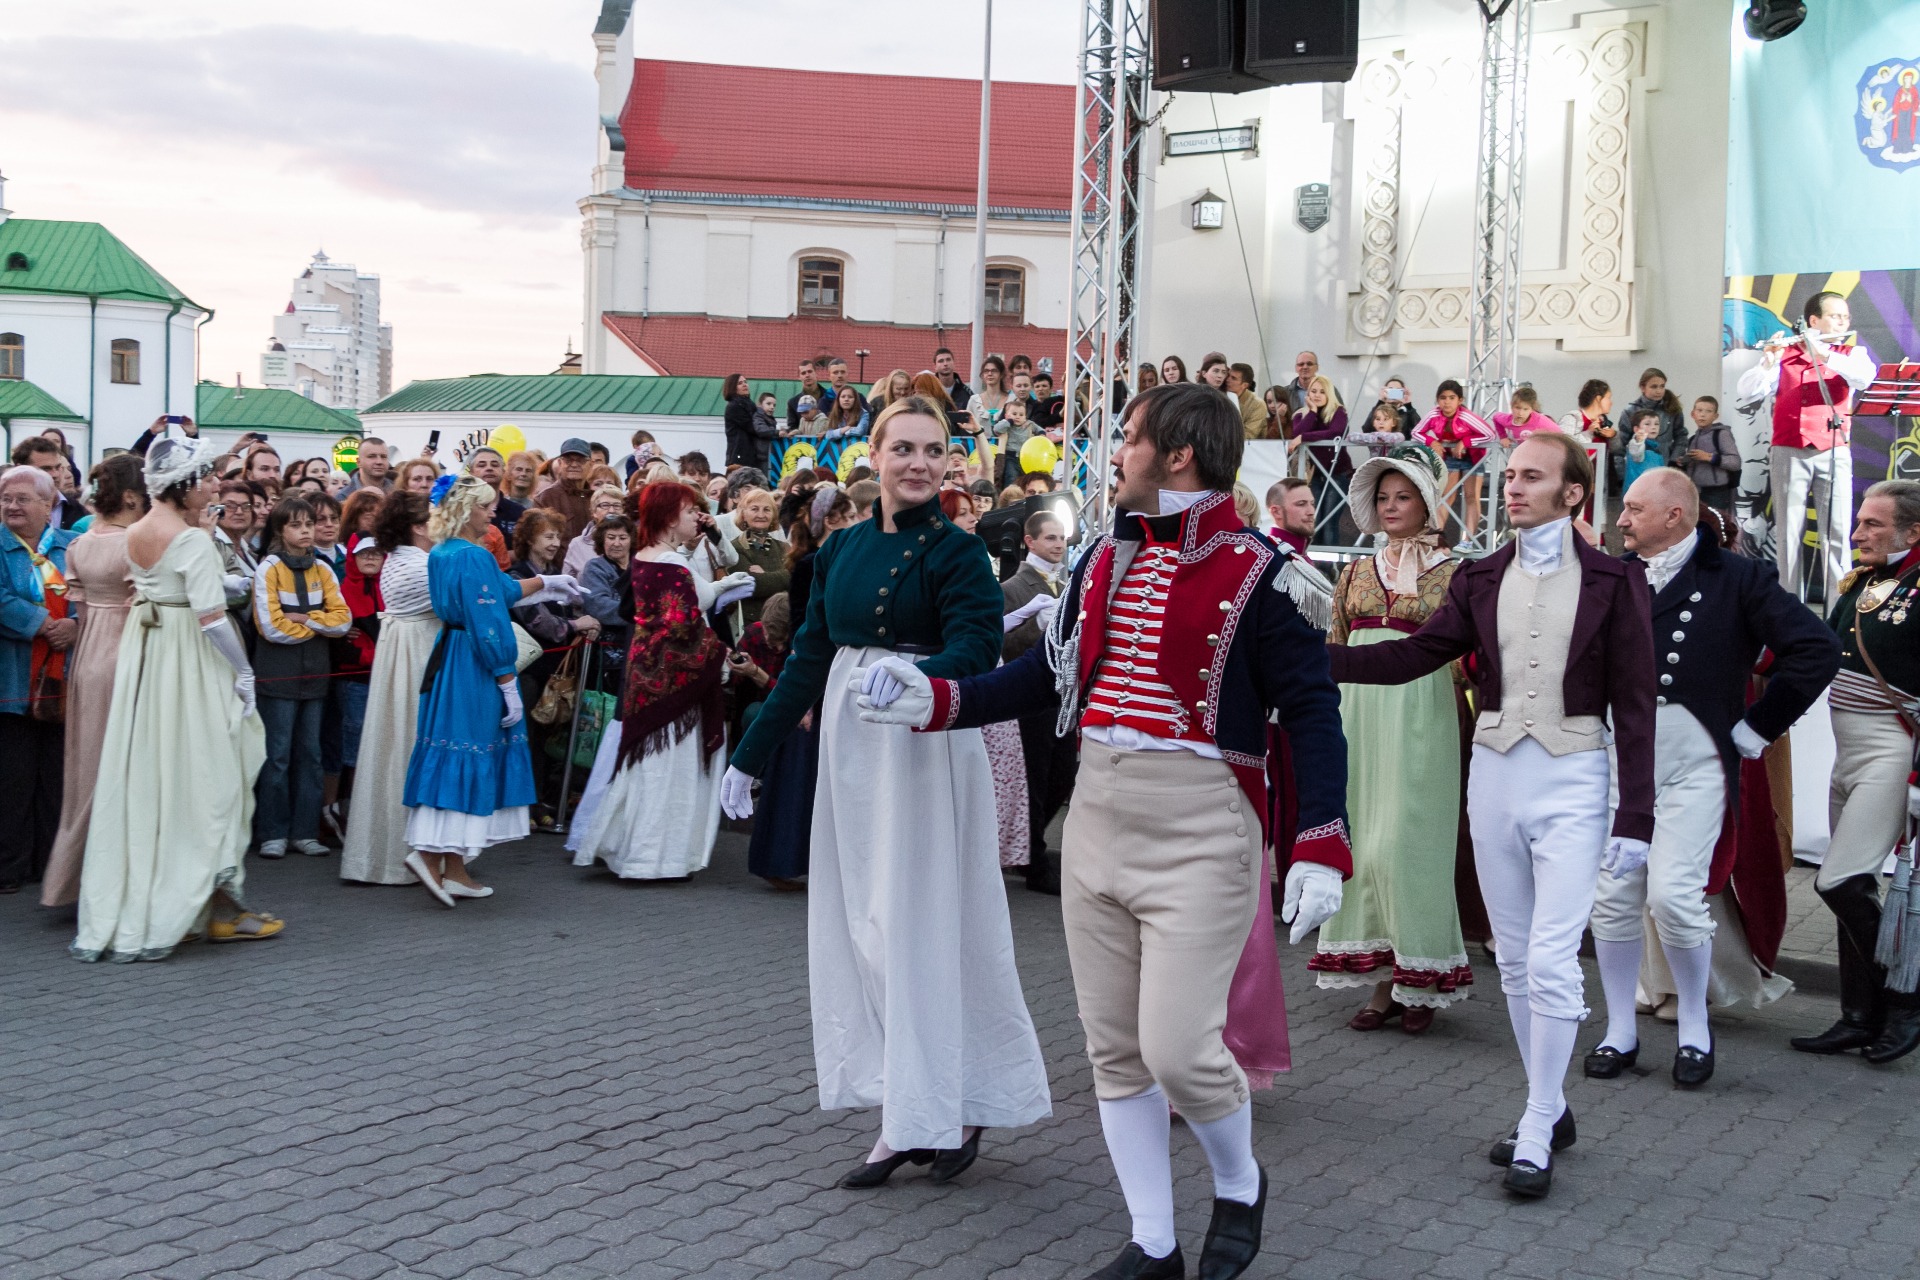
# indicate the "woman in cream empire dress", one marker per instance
pixel 183 744
pixel 376 847
pixel 100 584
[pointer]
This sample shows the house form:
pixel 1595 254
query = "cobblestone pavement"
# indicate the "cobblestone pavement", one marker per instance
pixel 581 1078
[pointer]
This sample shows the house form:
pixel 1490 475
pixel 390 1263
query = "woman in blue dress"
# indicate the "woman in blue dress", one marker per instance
pixel 470 779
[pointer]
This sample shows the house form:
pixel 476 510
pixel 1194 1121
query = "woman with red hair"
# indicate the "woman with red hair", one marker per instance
pixel 652 805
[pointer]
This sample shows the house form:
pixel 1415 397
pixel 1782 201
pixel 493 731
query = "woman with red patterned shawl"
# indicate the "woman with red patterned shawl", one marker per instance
pixel 661 809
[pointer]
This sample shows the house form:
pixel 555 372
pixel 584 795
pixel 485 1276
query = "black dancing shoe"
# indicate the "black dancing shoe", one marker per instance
pixel 1564 1136
pixel 1134 1264
pixel 1901 1034
pixel 1233 1237
pixel 1528 1180
pixel 1609 1063
pixel 1844 1036
pixel 1692 1067
pixel 874 1173
pixel 951 1162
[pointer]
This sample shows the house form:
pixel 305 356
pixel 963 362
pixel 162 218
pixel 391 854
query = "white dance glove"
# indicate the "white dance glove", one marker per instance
pixel 893 691
pixel 1624 857
pixel 555 588
pixel 227 643
pixel 510 693
pixel 736 794
pixel 1038 605
pixel 732 589
pixel 1312 896
pixel 1749 744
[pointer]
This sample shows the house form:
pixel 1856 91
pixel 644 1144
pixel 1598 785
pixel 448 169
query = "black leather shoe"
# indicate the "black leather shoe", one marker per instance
pixel 1901 1035
pixel 1233 1237
pixel 875 1172
pixel 1134 1264
pixel 1692 1067
pixel 1843 1036
pixel 1564 1136
pixel 1524 1178
pixel 1608 1063
pixel 950 1163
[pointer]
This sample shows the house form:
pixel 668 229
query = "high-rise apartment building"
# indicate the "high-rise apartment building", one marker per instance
pixel 329 344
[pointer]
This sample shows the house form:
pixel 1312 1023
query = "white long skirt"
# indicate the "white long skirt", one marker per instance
pixel 655 819
pixel 917 1007
pixel 376 846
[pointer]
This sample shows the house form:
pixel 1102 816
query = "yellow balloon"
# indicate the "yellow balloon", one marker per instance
pixel 1038 455
pixel 507 438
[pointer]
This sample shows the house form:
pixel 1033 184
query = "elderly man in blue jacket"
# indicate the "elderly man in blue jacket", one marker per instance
pixel 35 633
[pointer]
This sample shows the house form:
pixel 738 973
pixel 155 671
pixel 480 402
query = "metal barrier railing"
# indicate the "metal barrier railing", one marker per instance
pixel 1476 515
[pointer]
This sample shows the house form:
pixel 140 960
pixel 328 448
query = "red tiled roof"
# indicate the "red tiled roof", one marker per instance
pixel 692 126
pixel 701 346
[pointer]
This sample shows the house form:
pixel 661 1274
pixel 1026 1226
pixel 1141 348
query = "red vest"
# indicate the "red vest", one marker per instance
pixel 1801 419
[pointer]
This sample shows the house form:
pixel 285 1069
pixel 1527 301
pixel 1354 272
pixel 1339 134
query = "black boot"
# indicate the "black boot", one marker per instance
pixel 1855 903
pixel 1900 1035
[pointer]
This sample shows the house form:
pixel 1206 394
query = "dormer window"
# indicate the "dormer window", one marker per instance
pixel 17 261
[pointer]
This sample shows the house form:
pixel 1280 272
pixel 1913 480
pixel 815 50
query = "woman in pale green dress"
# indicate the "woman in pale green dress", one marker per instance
pixel 1398 929
pixel 182 745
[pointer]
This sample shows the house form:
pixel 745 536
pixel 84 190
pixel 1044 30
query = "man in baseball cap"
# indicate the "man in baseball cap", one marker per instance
pixel 566 497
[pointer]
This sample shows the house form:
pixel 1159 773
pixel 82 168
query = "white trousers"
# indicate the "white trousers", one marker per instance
pixel 1539 825
pixel 1689 803
pixel 1867 801
pixel 1800 474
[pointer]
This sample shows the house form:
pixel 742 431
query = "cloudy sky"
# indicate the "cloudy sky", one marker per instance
pixel 439 143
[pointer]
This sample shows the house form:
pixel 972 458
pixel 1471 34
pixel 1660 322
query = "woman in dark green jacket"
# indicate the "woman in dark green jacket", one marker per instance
pixel 917 1007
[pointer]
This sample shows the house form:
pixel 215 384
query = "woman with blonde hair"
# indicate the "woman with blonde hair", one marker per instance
pixel 897 385
pixel 415 475
pixel 470 779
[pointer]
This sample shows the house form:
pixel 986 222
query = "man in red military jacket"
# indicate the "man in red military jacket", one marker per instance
pixel 1176 638
pixel 1809 456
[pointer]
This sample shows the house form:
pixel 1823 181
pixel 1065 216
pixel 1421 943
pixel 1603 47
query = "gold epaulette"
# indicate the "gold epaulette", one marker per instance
pixel 1854 578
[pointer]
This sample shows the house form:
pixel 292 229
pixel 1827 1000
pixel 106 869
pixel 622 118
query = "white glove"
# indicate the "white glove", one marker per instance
pixel 237 585
pixel 732 595
pixel 736 794
pixel 510 692
pixel 227 643
pixel 556 588
pixel 1312 896
pixel 243 689
pixel 909 694
pixel 1749 744
pixel 1624 857
pixel 1034 606
pixel 1913 801
pixel 880 686
pixel 733 582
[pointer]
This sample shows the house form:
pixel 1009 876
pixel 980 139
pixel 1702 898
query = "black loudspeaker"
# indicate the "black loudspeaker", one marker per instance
pixel 1231 46
pixel 1303 41
pixel 1198 44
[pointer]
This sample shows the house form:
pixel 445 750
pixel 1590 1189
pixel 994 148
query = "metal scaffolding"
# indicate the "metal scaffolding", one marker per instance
pixel 1493 341
pixel 1110 125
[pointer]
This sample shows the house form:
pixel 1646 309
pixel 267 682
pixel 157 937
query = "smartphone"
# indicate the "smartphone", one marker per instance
pixel 176 419
pixel 433 440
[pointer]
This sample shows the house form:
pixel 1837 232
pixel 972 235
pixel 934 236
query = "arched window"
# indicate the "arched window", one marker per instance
pixel 822 286
pixel 125 357
pixel 1006 295
pixel 13 356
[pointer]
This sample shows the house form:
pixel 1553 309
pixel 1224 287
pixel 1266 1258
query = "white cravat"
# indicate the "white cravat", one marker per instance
pixel 1541 547
pixel 1046 569
pixel 1662 567
pixel 1174 501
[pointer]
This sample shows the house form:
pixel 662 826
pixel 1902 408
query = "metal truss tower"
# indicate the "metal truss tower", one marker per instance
pixel 1493 341
pixel 1110 126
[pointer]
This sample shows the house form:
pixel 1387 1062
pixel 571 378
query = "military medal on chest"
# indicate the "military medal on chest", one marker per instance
pixel 1877 594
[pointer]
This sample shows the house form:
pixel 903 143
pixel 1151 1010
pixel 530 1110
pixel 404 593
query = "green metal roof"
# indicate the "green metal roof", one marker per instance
pixel 82 258
pixel 501 393
pixel 268 409
pixel 20 399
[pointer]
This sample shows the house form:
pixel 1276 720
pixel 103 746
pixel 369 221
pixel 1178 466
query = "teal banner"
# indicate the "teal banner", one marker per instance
pixel 1823 160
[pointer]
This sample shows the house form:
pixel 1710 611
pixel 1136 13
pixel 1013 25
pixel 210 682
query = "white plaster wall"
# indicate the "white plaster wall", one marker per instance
pixel 57 333
pixel 1200 298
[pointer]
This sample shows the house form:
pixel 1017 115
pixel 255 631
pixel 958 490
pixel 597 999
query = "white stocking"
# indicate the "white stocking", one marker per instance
pixel 1619 978
pixel 1522 1019
pixel 1228 1143
pixel 1136 1130
pixel 1551 1052
pixel 1691 967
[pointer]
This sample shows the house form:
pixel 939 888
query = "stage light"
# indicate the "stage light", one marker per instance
pixel 1771 19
